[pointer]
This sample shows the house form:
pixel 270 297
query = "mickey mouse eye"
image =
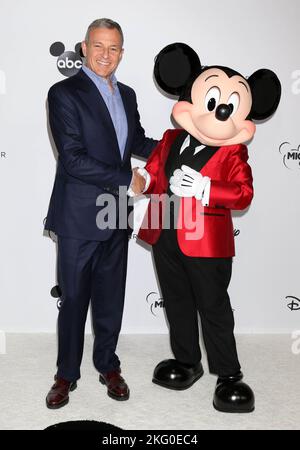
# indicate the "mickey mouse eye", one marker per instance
pixel 212 98
pixel 234 102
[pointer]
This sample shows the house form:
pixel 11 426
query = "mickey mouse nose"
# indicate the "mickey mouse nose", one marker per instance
pixel 223 112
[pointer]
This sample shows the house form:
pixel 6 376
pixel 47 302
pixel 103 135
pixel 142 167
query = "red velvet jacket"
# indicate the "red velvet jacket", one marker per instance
pixel 231 188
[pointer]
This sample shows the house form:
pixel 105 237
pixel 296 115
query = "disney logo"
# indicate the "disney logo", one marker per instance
pixel 294 304
pixel 291 156
pixel 154 301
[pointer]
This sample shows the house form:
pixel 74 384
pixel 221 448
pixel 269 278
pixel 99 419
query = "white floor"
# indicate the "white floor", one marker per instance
pixel 269 365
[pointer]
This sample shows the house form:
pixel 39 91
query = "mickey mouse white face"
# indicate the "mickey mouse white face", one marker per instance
pixel 219 108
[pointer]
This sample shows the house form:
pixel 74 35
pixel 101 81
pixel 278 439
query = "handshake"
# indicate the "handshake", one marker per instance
pixel 139 183
pixel 185 182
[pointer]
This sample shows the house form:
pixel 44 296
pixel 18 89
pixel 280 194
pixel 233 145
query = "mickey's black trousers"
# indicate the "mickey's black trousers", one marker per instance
pixel 190 286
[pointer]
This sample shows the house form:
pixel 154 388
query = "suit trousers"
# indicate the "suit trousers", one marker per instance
pixel 90 272
pixel 190 285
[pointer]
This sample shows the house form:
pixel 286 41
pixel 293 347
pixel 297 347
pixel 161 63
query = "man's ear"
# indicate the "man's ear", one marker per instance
pixel 83 48
pixel 121 54
pixel 266 92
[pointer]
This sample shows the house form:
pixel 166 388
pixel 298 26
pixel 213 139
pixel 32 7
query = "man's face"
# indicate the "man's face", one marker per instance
pixel 104 51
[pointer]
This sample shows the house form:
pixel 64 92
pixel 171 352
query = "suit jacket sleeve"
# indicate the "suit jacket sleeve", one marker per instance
pixel 237 191
pixel 66 131
pixel 142 145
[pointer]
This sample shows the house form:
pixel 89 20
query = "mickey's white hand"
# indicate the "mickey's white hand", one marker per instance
pixel 177 177
pixel 187 182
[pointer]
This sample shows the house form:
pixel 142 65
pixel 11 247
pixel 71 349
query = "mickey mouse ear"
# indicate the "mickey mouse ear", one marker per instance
pixel 266 92
pixel 78 49
pixel 57 49
pixel 175 65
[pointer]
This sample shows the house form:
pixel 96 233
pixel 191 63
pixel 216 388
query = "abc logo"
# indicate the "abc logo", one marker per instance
pixel 68 63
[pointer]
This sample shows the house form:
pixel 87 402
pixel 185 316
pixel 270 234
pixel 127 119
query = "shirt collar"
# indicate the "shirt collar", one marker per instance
pixel 192 142
pixel 97 78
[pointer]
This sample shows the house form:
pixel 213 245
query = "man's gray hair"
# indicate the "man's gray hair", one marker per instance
pixel 104 23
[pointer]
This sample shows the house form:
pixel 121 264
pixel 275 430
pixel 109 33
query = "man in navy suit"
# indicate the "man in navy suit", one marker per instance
pixel 96 127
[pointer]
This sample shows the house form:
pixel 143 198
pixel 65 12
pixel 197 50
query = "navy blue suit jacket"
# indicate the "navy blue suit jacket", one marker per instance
pixel 89 162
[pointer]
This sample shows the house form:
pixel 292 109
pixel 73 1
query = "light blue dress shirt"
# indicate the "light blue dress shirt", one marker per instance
pixel 114 103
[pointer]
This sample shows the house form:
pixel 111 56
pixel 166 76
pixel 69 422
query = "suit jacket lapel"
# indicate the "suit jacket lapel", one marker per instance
pixel 92 97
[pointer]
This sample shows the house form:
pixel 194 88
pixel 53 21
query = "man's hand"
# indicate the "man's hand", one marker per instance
pixel 138 182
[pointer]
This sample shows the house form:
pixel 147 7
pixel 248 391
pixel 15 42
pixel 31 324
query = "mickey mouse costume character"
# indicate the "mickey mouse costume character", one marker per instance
pixel 205 162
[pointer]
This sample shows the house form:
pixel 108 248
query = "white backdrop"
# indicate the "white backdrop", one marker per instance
pixel 240 34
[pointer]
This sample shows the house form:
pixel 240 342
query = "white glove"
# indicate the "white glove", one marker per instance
pixel 187 182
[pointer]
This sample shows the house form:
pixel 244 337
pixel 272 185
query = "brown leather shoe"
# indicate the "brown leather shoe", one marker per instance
pixel 58 395
pixel 116 385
